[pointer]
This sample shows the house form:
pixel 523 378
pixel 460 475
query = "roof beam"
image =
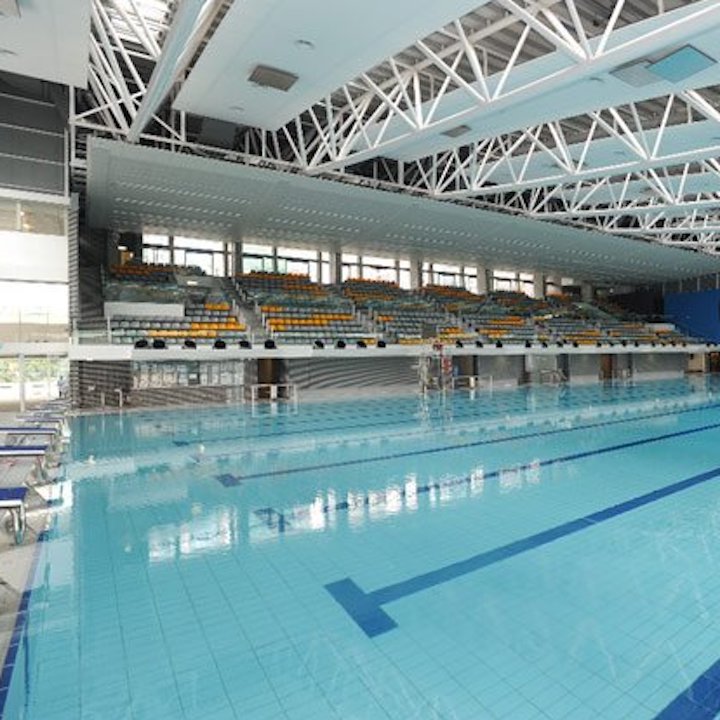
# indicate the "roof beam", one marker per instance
pixel 621 46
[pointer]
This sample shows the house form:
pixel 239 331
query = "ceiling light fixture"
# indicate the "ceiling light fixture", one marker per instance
pixel 269 77
pixel 305 44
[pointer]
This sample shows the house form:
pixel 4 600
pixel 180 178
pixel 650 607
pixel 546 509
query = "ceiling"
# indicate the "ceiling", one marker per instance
pixel 346 39
pixel 131 188
pixel 599 115
pixel 48 40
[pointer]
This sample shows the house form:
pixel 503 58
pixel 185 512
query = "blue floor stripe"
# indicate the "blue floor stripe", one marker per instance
pixel 700 701
pixel 463 446
pixel 20 628
pixel 366 608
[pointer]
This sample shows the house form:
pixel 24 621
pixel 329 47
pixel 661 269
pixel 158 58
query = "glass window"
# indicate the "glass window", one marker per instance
pixel 198 244
pixel 370 272
pixel 252 263
pixel 150 239
pixel 297 253
pixel 252 249
pixel 156 255
pixel 378 261
pixel 350 272
pixel 45 302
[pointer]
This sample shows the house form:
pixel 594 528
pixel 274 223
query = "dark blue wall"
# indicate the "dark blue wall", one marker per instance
pixel 697 313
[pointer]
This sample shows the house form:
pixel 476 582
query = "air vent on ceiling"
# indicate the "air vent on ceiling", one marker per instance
pixel 9 8
pixel 456 131
pixel 636 74
pixel 682 64
pixel 264 76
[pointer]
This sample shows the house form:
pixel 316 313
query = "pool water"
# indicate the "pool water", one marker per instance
pixel 535 553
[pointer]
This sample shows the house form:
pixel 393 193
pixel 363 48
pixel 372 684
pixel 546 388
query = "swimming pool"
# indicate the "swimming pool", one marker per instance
pixel 536 553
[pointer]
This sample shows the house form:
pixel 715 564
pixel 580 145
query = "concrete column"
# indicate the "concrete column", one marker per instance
pixel 587 292
pixel 21 381
pixel 539 286
pixel 335 267
pixel 482 280
pixel 415 274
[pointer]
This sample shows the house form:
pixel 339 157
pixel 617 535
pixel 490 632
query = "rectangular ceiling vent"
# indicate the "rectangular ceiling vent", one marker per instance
pixel 636 74
pixel 456 131
pixel 269 77
pixel 682 64
pixel 9 8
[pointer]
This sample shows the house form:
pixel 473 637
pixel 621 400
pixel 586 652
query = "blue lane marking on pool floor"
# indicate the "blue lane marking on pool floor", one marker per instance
pixel 700 701
pixel 366 608
pixel 462 446
pixel 20 629
pixel 233 480
pixel 228 479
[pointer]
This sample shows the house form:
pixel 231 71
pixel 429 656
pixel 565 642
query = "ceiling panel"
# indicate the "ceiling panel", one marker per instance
pixel 49 40
pixel 131 187
pixel 347 37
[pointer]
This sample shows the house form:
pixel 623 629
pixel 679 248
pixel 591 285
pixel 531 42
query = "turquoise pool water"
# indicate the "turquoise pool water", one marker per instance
pixel 539 553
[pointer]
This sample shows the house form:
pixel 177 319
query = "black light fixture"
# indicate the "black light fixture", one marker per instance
pixel 560 343
pixel 498 344
pixel 623 343
pixel 637 344
pixel 576 343
pixel 458 344
pixel 479 343
pixel 340 344
pixel 245 345
pixel 190 344
pixel 142 344
pixel 381 344
pixel 270 345
pixel 159 344
pixel 219 344
pixel 319 345
pixel 361 344
pixel 598 343
pixel 653 343
pixel 528 344
pixel 543 344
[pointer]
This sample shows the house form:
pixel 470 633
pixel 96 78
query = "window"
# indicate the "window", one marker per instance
pixel 209 255
pixel 34 312
pixel 350 267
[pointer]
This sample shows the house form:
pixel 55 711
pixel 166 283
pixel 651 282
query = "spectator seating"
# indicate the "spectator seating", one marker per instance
pixel 294 309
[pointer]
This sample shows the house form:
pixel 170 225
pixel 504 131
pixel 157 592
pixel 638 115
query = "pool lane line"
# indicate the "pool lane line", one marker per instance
pixel 20 627
pixel 366 608
pixel 472 416
pixel 449 448
pixel 699 701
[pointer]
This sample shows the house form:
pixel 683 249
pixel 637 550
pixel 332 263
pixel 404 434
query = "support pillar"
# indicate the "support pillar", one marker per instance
pixel 539 286
pixel 415 274
pixel 21 381
pixel 482 280
pixel 587 292
pixel 335 267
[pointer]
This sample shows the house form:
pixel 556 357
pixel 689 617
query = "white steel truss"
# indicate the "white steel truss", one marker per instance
pixel 367 118
pixel 615 169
